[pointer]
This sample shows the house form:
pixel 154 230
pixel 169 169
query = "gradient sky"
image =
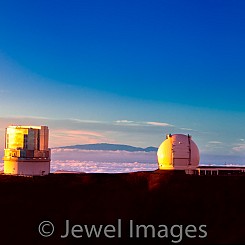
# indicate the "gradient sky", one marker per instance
pixel 125 71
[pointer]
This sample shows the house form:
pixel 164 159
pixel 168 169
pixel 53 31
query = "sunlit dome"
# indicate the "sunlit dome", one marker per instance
pixel 178 151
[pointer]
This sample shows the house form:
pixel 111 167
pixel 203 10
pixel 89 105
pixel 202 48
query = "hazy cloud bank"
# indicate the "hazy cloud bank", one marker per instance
pixel 94 161
pixel 103 156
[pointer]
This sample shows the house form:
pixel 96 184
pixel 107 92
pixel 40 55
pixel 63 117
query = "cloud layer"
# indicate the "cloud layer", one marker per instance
pixel 73 131
pixel 77 131
pixel 93 161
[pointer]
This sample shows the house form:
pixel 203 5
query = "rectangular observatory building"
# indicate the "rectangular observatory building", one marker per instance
pixel 26 150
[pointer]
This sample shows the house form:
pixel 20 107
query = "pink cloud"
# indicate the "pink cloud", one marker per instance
pixel 239 148
pixel 61 137
pixel 160 124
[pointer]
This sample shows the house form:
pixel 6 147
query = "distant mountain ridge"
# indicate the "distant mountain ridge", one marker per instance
pixel 109 147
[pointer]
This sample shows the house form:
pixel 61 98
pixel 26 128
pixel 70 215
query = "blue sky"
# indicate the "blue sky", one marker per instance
pixel 125 71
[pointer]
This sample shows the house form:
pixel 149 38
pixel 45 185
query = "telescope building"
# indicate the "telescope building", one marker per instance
pixel 26 150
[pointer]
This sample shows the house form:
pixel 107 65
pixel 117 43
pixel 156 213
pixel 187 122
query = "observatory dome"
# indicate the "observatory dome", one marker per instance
pixel 178 151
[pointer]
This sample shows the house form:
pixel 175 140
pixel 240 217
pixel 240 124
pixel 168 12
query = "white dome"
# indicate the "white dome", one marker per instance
pixel 178 151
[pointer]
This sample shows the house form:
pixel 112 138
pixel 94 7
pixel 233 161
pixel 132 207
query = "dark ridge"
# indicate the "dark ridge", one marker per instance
pixel 109 147
pixel 156 198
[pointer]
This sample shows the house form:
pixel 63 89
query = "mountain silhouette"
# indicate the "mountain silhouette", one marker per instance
pixel 109 147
